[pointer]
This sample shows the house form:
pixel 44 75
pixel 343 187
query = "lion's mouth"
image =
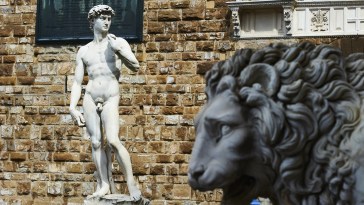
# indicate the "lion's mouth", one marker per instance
pixel 242 188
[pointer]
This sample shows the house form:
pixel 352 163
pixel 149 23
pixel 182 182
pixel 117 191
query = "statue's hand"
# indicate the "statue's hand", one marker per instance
pixel 113 42
pixel 78 116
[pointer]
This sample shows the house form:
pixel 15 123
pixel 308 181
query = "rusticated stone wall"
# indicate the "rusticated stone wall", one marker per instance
pixel 45 158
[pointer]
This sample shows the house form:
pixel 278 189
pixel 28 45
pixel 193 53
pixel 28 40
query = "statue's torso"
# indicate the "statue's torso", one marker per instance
pixel 100 63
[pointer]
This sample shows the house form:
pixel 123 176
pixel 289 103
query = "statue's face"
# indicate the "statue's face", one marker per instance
pixel 102 23
pixel 226 151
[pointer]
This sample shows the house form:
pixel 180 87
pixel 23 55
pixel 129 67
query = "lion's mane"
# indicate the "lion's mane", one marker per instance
pixel 305 126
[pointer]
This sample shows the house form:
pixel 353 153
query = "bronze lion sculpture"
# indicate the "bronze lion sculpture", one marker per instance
pixel 284 123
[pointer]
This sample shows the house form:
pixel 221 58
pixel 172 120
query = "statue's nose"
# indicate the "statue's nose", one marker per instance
pixel 196 171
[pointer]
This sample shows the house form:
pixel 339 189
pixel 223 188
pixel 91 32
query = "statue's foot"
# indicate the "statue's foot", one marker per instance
pixel 135 193
pixel 101 192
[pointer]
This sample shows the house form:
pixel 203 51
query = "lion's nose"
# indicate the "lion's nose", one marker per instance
pixel 197 171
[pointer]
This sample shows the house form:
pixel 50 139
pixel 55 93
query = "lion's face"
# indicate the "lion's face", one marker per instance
pixel 282 123
pixel 226 152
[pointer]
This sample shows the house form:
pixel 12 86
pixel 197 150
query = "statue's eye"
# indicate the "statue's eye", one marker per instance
pixel 225 129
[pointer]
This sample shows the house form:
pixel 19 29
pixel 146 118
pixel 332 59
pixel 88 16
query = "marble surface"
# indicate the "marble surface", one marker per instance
pixel 112 199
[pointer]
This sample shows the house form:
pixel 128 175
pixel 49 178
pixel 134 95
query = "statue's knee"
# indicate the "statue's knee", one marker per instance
pixel 96 144
pixel 114 143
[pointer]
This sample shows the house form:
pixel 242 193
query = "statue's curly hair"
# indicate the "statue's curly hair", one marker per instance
pixel 306 120
pixel 98 10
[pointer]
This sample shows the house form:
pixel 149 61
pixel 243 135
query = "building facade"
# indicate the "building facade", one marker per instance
pixel 44 156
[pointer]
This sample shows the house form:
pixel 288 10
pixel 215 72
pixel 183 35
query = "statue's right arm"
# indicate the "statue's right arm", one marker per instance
pixel 77 87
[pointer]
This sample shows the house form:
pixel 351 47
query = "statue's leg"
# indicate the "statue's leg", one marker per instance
pixel 110 119
pixel 109 168
pixel 92 119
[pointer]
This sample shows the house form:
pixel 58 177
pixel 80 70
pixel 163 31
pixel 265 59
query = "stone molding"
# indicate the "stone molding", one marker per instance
pixel 296 18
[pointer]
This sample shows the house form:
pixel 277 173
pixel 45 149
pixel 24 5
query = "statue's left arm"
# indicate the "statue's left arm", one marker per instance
pixel 124 52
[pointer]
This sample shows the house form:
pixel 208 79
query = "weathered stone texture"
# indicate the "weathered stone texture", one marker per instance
pixel 46 159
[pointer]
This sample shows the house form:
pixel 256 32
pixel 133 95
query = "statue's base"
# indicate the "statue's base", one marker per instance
pixel 115 199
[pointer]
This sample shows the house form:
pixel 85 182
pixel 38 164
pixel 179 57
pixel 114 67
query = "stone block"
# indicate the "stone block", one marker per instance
pixel 18 156
pixel 205 46
pixel 55 188
pixel 185 67
pixel 167 46
pixel 203 67
pixel 85 157
pixel 7 192
pixel 28 18
pixel 40 167
pixel 180 158
pixel 173 56
pixel 155 27
pixel 188 26
pixel 12 19
pixel 71 189
pixel 66 156
pixel 47 132
pixel 9 59
pixel 23 188
pixel 172 110
pixel 173 147
pixel 19 30
pixel 176 88
pixel 186 147
pixel 172 119
pixel 74 146
pixel 164 158
pixel 6 69
pixel 5 32
pixel 156 147
pixel 181 133
pixel 156 120
pixel 26 80
pixel 7 80
pixel 225 46
pixel 155 57
pixel 195 36
pixel 203 196
pixel 151 110
pixel 172 169
pixel 9 167
pixel 57 100
pixel 157 169
pixel 193 13
pixel 136 147
pixel 39 188
pixel 169 15
pixel 165 37
pixel 62 146
pixel 47 110
pixel 180 4
pixel 151 47
pixel 24 145
pixel 172 99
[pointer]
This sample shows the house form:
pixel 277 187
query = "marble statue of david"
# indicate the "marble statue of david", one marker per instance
pixel 101 99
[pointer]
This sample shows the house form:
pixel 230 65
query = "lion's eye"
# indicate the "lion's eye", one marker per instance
pixel 225 129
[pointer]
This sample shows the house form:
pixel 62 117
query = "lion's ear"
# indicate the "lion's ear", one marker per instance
pixel 227 82
pixel 263 74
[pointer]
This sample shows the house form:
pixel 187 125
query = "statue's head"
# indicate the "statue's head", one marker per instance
pixel 97 11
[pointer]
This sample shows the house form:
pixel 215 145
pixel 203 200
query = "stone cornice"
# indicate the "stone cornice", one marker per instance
pixel 330 3
pixel 297 37
pixel 258 4
pixel 294 3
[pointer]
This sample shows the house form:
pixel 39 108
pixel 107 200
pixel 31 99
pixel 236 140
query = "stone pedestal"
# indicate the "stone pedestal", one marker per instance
pixel 115 199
